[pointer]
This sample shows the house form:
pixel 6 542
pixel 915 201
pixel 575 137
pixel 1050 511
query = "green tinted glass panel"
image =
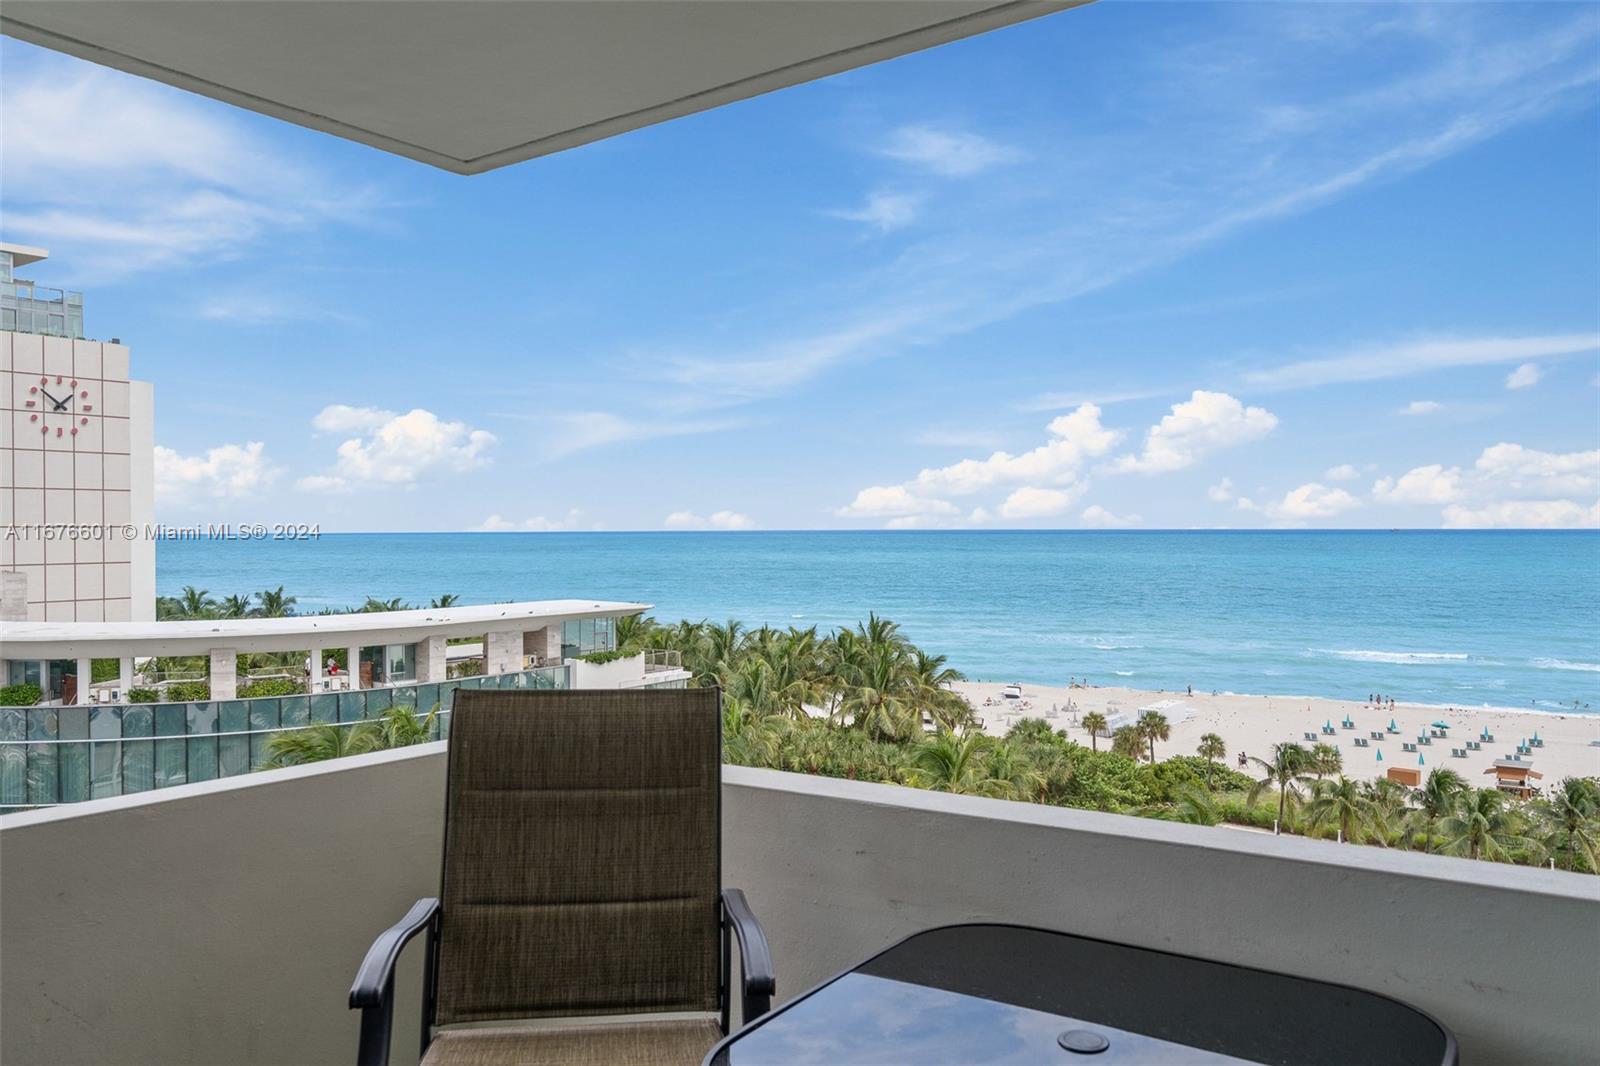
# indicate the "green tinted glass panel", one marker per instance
pixel 202 759
pixel 352 706
pixel 13 774
pixel 138 722
pixel 138 765
pixel 105 768
pixel 172 719
pixel 73 766
pixel 171 762
pixel 295 711
pixel 263 714
pixel 233 756
pixel 233 717
pixel 42 723
pixel 43 774
pixel 203 717
pixel 324 707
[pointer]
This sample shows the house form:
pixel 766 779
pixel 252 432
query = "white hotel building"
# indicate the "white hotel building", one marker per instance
pixel 77 455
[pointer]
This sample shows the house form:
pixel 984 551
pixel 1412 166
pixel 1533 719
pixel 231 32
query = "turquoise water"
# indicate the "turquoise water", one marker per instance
pixel 1497 618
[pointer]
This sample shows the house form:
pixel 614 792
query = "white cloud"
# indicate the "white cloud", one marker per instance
pixel 1418 357
pixel 1095 515
pixel 884 211
pixel 342 418
pixel 227 472
pixel 1524 514
pixel 1222 491
pixel 571 432
pixel 1508 486
pixel 322 484
pixel 885 501
pixel 1342 472
pixel 1524 377
pixel 119 173
pixel 1421 407
pixel 948 153
pixel 1205 423
pixel 1311 500
pixel 1077 438
pixel 396 449
pixel 1527 471
pixel 1030 502
pixel 717 520
pixel 538 524
pixel 1432 484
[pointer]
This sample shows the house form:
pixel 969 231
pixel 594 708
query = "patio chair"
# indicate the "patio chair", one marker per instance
pixel 581 878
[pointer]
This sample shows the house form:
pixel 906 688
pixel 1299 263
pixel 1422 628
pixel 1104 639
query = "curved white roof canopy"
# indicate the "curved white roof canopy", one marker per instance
pixel 471 85
pixel 111 640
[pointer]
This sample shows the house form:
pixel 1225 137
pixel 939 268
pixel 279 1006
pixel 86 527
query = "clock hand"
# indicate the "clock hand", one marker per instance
pixel 52 399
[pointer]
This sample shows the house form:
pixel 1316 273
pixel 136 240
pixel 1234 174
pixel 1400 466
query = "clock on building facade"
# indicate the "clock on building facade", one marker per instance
pixel 60 406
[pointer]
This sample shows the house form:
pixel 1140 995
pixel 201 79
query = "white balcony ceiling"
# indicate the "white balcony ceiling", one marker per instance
pixel 471 85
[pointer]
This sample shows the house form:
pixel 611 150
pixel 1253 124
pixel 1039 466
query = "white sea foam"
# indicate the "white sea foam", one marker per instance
pixel 1401 658
pixel 1562 664
pixel 1123 673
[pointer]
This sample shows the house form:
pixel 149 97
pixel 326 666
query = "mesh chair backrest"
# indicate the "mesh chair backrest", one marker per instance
pixel 581 863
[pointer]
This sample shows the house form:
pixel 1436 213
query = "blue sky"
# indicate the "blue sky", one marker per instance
pixel 1135 264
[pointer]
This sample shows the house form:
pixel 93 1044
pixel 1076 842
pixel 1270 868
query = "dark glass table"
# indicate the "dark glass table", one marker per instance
pixel 968 994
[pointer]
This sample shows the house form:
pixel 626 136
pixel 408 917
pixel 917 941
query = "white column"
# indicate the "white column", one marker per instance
pixel 502 651
pixel 430 659
pixel 44 676
pixel 314 673
pixel 124 677
pixel 85 678
pixel 224 674
pixel 353 658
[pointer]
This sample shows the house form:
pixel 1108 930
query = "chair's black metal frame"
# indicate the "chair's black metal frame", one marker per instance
pixel 373 990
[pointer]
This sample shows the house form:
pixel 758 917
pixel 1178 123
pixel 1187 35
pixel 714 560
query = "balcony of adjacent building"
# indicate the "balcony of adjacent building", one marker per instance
pixel 122 708
pixel 223 921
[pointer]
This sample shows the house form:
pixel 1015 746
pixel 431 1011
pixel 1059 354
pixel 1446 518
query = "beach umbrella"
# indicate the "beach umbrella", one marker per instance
pixel 1392 725
pixel 1380 754
pixel 1441 725
pixel 1419 758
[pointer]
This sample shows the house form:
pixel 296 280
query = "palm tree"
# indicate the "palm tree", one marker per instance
pixel 1129 741
pixel 450 599
pixel 195 603
pixel 1341 802
pixel 1153 726
pixel 1482 827
pixel 1436 798
pixel 375 605
pixel 322 741
pixel 1094 723
pixel 1574 813
pixel 1195 806
pixel 274 604
pixel 1286 770
pixel 1386 806
pixel 1212 748
pixel 949 763
pixel 399 728
pixel 632 630
pixel 234 607
pixel 1325 759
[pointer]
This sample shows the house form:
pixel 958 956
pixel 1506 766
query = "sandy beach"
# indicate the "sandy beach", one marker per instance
pixel 1252 724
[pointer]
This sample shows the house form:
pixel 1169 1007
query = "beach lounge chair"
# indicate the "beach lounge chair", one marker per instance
pixel 1311 736
pixel 1328 730
pixel 581 877
pixel 1458 753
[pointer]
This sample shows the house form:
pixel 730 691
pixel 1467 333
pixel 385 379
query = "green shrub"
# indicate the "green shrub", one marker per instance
pixel 143 695
pixel 270 686
pixel 104 670
pixel 23 695
pixel 188 692
pixel 599 657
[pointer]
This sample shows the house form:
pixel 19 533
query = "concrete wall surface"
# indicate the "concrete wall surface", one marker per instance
pixel 222 922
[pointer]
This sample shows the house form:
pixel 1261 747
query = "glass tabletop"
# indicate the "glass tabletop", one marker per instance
pixel 1006 994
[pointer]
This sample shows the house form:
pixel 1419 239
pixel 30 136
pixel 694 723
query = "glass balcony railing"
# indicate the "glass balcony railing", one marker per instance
pixel 29 308
pixel 54 755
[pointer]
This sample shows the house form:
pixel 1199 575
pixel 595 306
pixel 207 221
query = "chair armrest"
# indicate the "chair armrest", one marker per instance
pixel 373 990
pixel 372 982
pixel 755 958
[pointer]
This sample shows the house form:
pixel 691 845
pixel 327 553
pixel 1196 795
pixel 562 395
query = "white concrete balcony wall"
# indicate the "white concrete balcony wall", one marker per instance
pixel 222 922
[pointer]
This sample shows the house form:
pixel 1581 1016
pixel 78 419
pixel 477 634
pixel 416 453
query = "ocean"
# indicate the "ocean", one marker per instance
pixel 1508 619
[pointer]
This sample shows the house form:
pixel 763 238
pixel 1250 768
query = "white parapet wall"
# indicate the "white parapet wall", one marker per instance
pixel 222 922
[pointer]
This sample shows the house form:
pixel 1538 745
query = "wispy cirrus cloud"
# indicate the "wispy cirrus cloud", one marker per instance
pixel 1082 208
pixel 1403 359
pixel 122 174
